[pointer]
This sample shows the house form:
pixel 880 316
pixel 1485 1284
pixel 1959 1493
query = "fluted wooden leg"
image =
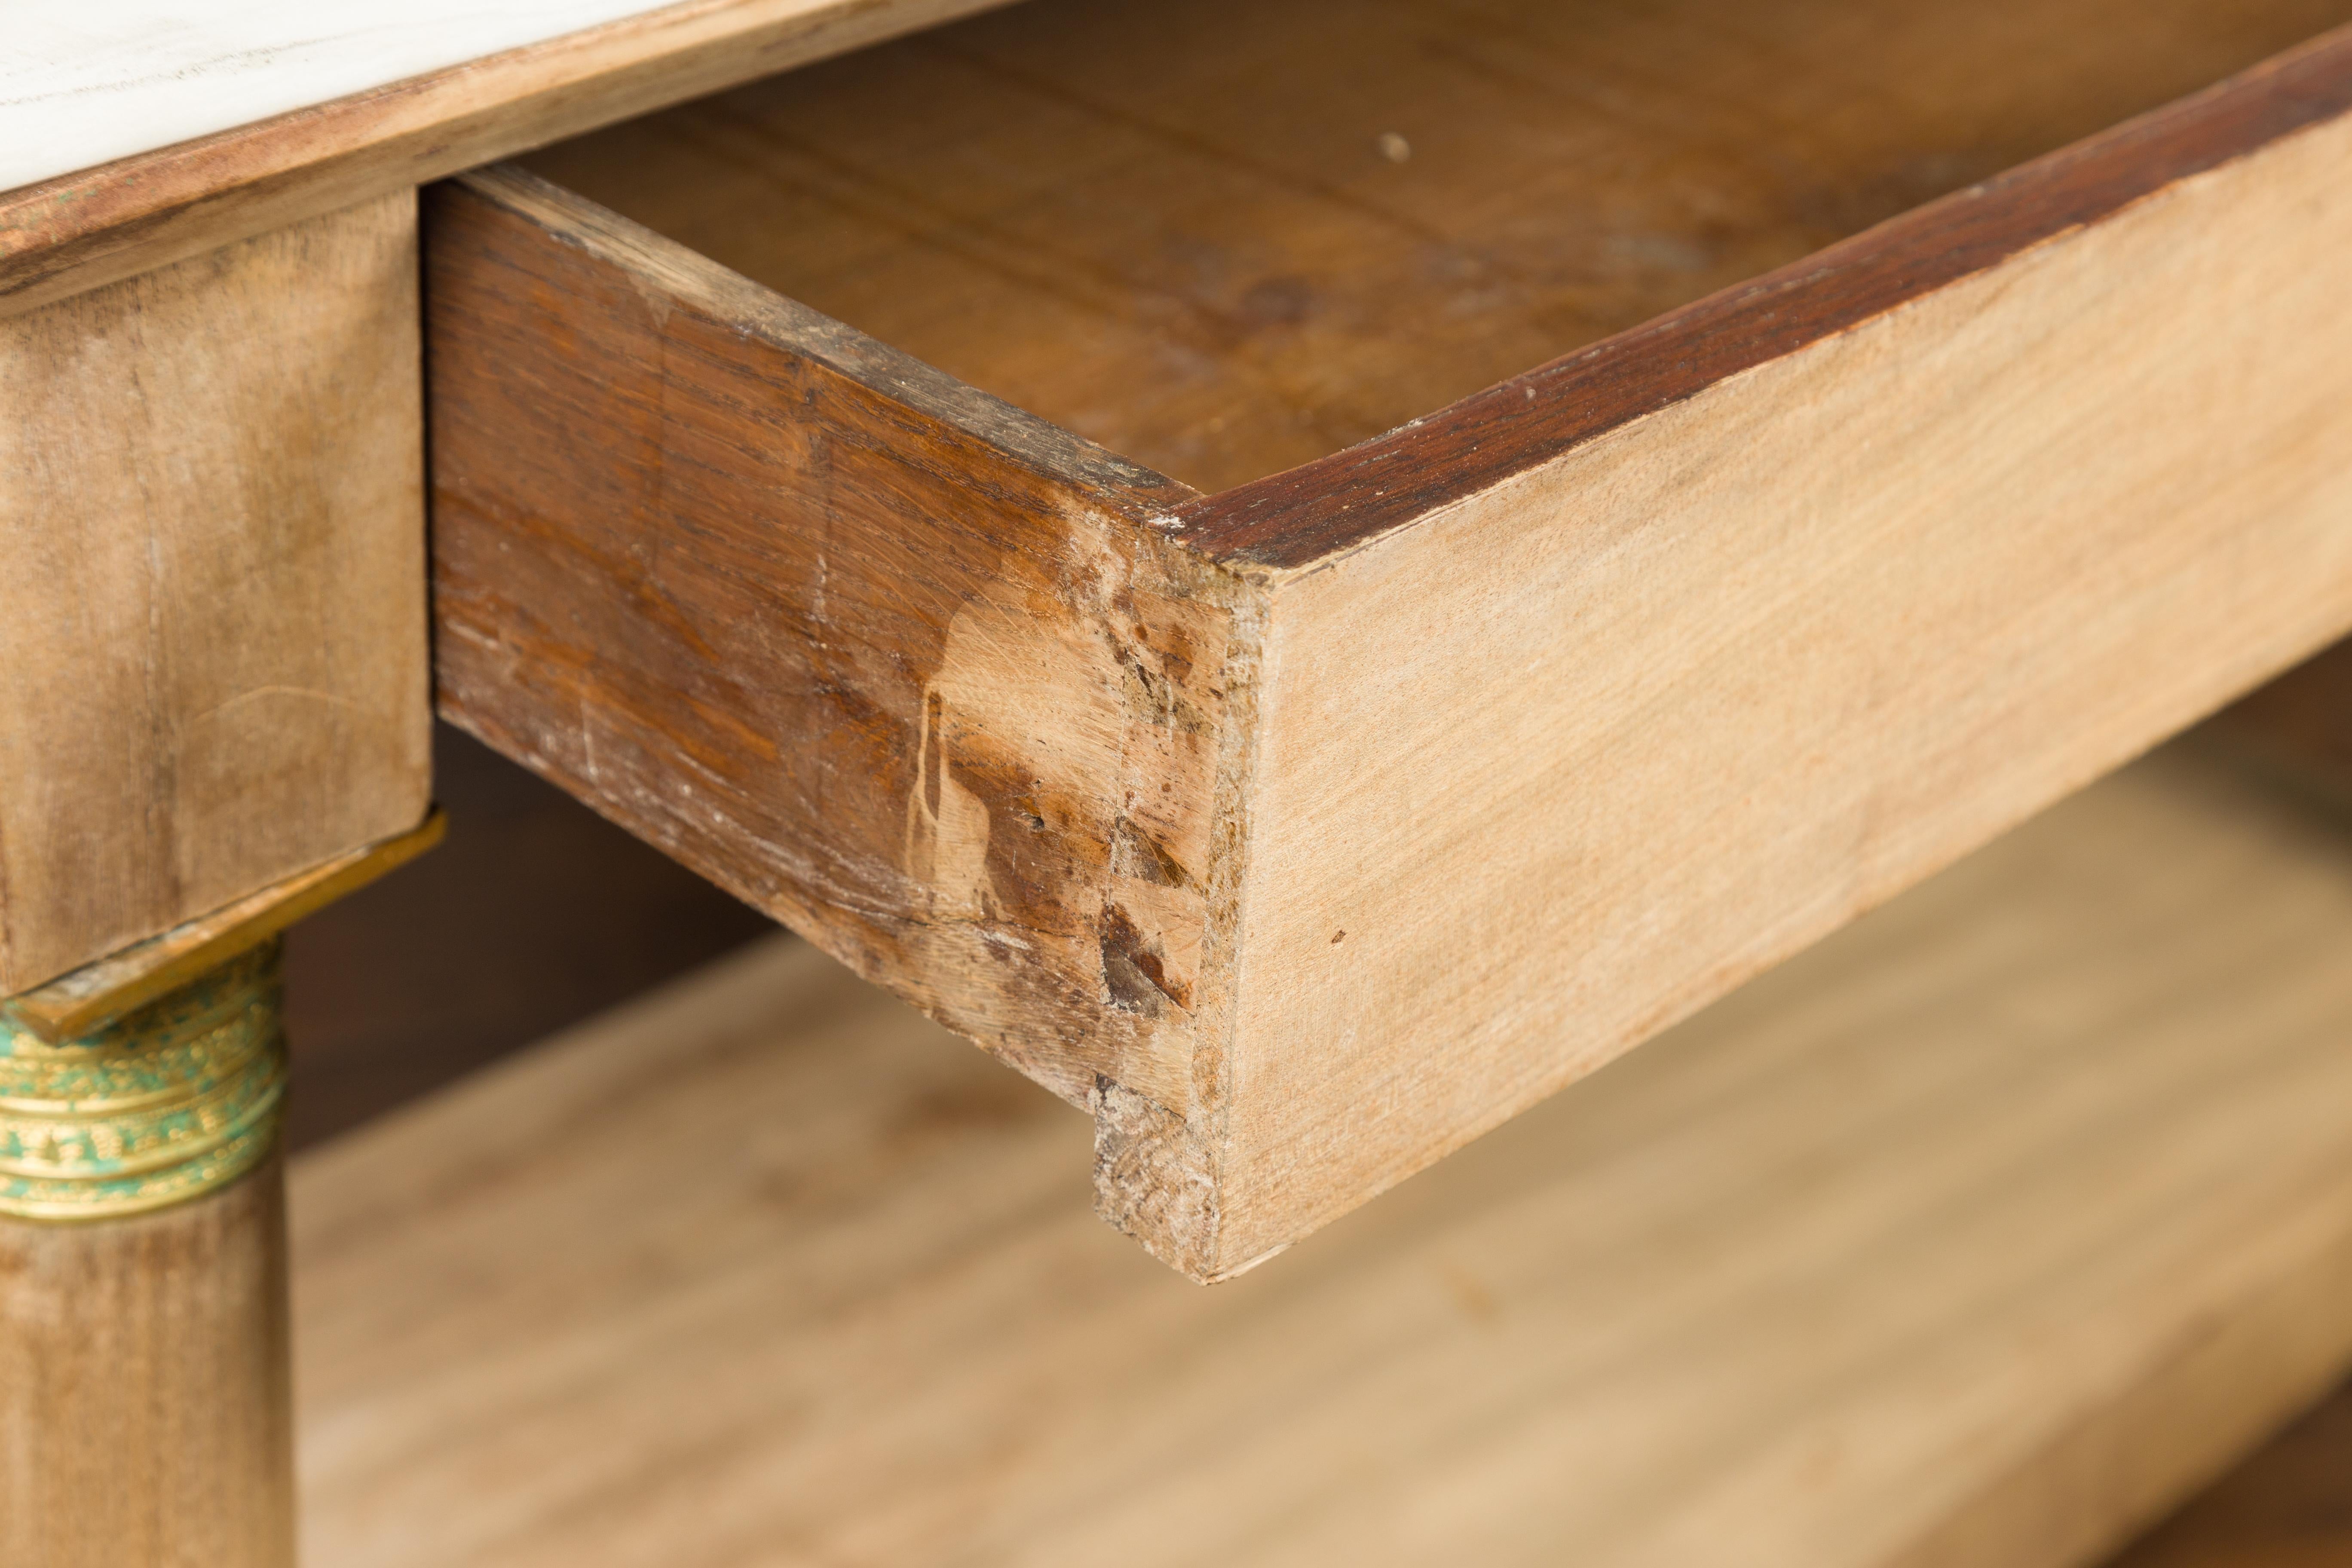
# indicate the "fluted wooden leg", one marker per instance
pixel 144 1403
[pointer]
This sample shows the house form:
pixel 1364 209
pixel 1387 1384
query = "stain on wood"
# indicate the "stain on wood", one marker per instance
pixel 891 660
pixel 1307 830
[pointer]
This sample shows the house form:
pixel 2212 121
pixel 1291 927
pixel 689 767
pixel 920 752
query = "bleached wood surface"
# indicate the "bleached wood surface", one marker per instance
pixel 86 82
pixel 148 138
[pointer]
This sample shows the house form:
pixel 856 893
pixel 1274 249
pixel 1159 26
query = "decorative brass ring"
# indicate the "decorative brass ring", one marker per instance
pixel 162 1106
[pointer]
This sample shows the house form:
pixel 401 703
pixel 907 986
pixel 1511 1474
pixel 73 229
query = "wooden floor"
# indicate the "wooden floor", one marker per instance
pixel 1868 1258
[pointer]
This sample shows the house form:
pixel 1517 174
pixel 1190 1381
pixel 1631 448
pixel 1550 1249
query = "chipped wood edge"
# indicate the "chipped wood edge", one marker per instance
pixel 1160 1125
pixel 1163 1171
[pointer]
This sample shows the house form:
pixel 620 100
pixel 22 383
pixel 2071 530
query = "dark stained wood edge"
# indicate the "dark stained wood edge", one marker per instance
pixel 1310 513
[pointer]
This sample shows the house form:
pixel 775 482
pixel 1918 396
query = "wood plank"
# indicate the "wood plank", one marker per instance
pixel 1607 732
pixel 1320 510
pixel 883 656
pixel 1174 228
pixel 1973 1237
pixel 73 231
pixel 212 513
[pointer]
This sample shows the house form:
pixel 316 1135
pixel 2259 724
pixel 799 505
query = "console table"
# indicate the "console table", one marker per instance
pixel 1304 575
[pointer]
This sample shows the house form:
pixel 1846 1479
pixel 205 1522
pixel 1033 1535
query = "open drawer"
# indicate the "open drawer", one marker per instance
pixel 1070 636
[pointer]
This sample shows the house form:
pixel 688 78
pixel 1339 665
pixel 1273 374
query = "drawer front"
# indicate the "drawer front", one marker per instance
pixel 1306 830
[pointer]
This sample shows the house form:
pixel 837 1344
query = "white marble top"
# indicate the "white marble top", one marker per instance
pixel 83 82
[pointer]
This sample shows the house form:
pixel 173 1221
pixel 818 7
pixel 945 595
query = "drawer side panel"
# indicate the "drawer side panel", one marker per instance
pixel 889 659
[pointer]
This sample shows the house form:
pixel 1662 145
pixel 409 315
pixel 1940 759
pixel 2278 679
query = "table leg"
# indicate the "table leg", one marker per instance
pixel 144 1402
pixel 213 682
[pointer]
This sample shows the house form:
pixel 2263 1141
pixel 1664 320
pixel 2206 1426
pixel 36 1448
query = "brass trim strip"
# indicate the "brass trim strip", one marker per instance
pixel 84 1001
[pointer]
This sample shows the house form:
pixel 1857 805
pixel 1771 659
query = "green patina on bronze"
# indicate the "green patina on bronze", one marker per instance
pixel 164 1105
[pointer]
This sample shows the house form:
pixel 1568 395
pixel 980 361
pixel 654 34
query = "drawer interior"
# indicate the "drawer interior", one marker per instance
pixel 1227 236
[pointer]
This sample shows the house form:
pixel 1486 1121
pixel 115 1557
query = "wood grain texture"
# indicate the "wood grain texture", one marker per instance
pixel 83 1001
pixel 1174 228
pixel 1973 1237
pixel 145 1414
pixel 106 79
pixel 1655 666
pixel 882 656
pixel 1322 508
pixel 1577 752
pixel 211 519
pixel 98 224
